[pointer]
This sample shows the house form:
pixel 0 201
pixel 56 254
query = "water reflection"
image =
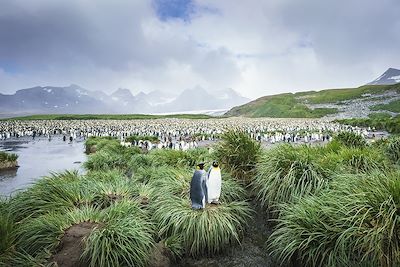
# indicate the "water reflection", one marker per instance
pixel 38 158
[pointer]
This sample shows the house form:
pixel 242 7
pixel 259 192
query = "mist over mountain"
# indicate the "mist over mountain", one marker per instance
pixel 74 99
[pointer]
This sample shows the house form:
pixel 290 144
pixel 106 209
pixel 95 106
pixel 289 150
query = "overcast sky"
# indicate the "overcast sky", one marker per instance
pixel 256 47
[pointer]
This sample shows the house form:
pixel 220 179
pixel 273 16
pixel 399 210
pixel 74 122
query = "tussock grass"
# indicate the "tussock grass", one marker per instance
pixel 7 230
pixel 122 235
pixel 138 138
pixel 351 139
pixel 238 153
pixel 109 158
pixel 178 158
pixel 175 246
pixel 363 160
pixel 392 149
pixel 94 143
pixel 205 232
pixel 10 157
pixel 354 223
pixel 286 173
pixel 54 193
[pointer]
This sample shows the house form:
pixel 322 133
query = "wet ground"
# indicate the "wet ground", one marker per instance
pixel 38 158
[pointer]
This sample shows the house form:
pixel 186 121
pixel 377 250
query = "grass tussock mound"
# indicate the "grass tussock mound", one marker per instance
pixel 351 139
pixel 392 149
pixel 238 153
pixel 354 223
pixel 120 235
pixel 286 173
pixel 363 160
pixel 204 232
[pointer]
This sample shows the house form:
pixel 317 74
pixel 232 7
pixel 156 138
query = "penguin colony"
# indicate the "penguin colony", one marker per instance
pixel 180 134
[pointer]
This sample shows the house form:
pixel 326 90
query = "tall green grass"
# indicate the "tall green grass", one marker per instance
pixel 5 156
pixel 7 230
pixel 286 173
pixel 355 222
pixel 392 149
pixel 363 160
pixel 238 153
pixel 205 232
pixel 121 236
pixel 350 139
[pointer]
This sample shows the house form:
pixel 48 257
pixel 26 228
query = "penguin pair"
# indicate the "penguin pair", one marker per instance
pixel 205 186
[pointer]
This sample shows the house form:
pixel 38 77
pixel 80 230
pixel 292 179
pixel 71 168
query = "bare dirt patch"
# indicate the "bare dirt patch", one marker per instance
pixel 160 256
pixel 70 249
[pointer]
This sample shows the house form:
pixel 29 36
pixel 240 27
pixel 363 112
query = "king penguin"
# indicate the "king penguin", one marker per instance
pixel 198 188
pixel 214 182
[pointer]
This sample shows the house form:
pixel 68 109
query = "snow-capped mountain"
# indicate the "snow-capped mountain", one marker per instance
pixel 74 99
pixel 123 101
pixel 156 97
pixel 391 76
pixel 49 99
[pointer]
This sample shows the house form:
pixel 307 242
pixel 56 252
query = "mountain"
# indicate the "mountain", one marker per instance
pixel 391 76
pixel 74 99
pixel 122 101
pixel 71 99
pixel 199 99
pixel 156 97
pixel 331 103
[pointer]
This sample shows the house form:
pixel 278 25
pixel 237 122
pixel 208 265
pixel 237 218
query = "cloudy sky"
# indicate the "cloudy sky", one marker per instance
pixel 256 47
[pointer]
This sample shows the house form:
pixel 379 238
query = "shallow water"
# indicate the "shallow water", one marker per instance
pixel 38 158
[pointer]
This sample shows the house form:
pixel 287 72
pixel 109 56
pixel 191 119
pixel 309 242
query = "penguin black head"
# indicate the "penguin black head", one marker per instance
pixel 215 164
pixel 201 165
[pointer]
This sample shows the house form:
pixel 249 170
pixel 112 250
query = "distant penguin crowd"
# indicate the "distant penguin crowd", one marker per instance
pixel 179 134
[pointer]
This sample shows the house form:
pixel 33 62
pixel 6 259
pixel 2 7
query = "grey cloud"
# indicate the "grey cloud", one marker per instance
pixel 255 47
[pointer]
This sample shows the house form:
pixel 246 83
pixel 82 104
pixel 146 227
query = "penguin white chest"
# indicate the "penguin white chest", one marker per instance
pixel 214 183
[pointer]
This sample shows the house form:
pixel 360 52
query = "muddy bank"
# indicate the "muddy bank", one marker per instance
pixel 8 165
pixel 70 249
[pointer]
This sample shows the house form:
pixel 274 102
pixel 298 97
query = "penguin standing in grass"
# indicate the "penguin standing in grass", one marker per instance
pixel 198 188
pixel 214 182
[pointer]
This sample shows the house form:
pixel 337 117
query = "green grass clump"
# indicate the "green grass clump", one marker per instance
pixel 392 125
pixel 7 157
pixel 121 236
pixel 350 139
pixel 355 222
pixel 54 193
pixel 286 173
pixel 363 160
pixel 7 230
pixel 205 232
pixel 179 158
pixel 137 138
pixel 238 153
pixel 95 143
pixel 111 156
pixel 392 149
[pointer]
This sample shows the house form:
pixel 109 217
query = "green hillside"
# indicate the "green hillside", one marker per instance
pixel 293 105
pixel 393 106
